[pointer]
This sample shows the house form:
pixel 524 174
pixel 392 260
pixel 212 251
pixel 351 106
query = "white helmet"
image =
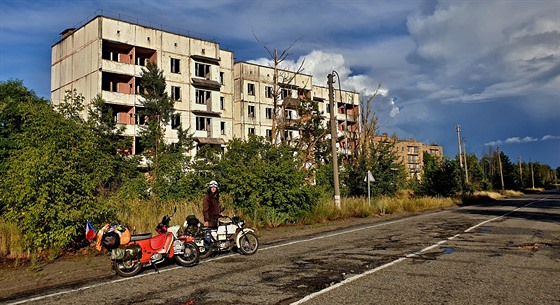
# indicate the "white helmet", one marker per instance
pixel 213 183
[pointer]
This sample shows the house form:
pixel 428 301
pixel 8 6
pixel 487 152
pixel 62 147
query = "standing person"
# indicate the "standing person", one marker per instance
pixel 211 205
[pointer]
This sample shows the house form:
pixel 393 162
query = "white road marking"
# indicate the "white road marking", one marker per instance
pixel 283 245
pixel 411 255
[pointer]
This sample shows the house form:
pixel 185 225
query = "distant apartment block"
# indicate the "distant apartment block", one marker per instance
pixel 254 103
pixel 218 99
pixel 411 153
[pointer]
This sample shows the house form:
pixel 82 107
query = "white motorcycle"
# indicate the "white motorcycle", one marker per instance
pixel 230 234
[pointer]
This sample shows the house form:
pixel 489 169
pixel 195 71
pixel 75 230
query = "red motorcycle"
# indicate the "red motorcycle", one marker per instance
pixel 145 250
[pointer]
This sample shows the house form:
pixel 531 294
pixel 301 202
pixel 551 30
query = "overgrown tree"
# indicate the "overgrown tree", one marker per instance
pixel 441 177
pixel 157 109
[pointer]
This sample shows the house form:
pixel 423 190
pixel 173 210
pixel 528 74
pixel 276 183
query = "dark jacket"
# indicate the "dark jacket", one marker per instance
pixel 211 209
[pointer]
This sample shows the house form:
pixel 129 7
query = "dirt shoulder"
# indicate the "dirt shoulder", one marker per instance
pixel 79 268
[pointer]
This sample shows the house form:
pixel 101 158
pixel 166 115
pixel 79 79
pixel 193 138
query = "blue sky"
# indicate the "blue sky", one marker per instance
pixel 492 67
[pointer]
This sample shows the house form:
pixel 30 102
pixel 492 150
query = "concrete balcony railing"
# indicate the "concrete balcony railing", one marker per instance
pixel 120 68
pixel 120 98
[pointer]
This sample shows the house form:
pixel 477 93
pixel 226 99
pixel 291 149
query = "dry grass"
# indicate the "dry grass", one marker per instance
pixel 485 196
pixel 359 207
pixel 10 241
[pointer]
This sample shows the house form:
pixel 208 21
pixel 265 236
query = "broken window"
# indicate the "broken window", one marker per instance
pixel 175 93
pixel 202 96
pixel 251 89
pixel 175 65
pixel 202 70
pixel 268 92
pixel 251 111
pixel 176 121
pixel 202 123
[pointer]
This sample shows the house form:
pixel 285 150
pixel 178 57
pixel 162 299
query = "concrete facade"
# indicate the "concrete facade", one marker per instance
pixel 106 56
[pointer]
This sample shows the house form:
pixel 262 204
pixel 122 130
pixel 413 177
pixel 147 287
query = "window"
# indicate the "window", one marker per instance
pixel 222 102
pixel 141 61
pixel 202 96
pixel 176 121
pixel 269 133
pixel 268 112
pixel 251 111
pixel 251 131
pixel 288 114
pixel 251 89
pixel 201 70
pixel 175 93
pixel 223 128
pixel 202 123
pixel 175 65
pixel 285 93
pixel 222 78
pixel 268 92
pixel 288 135
pixel 328 108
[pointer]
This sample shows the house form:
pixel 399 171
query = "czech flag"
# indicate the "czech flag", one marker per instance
pixel 90 231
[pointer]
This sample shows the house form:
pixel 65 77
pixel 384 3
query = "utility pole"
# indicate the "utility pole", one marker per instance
pixel 520 171
pixel 330 82
pixel 465 157
pixel 500 163
pixel 532 175
pixel 458 128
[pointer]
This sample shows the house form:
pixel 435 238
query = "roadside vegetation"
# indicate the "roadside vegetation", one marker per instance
pixel 59 169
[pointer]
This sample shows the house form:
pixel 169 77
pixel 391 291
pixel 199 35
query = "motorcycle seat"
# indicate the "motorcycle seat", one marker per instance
pixel 141 236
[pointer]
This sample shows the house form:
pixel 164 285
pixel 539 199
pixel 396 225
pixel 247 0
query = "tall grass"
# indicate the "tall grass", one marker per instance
pixel 10 241
pixel 359 207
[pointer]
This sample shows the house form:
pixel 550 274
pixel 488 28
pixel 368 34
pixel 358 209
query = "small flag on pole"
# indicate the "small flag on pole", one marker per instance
pixel 90 231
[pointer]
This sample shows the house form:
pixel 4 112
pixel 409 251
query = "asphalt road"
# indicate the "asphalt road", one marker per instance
pixel 506 252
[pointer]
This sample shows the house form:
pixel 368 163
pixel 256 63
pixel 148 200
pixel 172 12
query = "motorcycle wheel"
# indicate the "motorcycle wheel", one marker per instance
pixel 127 268
pixel 190 255
pixel 204 252
pixel 248 243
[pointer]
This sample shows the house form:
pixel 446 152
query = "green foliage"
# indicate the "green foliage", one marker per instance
pixel 441 177
pixel 258 175
pixel 383 163
pixel 52 176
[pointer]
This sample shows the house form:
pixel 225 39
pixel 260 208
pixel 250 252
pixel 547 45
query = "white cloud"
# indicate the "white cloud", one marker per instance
pixel 519 140
pixel 550 137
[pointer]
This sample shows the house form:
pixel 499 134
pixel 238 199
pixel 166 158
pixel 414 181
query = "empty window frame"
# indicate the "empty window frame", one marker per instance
pixel 203 123
pixel 222 103
pixel 175 68
pixel 202 96
pixel 268 92
pixel 176 121
pixel 285 93
pixel 251 111
pixel 175 93
pixel 251 130
pixel 223 128
pixel 268 133
pixel 289 114
pixel 268 113
pixel 222 78
pixel 251 89
pixel 202 70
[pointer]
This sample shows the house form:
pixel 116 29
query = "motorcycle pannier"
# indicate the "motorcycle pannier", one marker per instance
pixel 132 251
